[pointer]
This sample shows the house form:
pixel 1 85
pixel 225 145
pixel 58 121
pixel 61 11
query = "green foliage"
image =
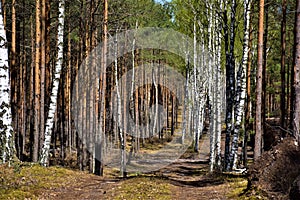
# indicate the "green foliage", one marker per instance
pixel 146 13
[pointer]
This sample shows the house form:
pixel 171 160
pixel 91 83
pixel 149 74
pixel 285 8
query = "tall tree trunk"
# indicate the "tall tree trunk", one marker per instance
pixel 119 117
pixel 248 103
pixel 219 78
pixel 264 70
pixel 54 93
pixel 6 129
pixel 31 86
pixel 14 75
pixel 212 87
pixel 259 76
pixel 296 85
pixel 196 106
pixel 134 101
pixel 282 70
pixel 24 87
pixel 102 82
pixel 43 68
pixel 37 88
pixel 186 103
pixel 230 83
pixel 241 87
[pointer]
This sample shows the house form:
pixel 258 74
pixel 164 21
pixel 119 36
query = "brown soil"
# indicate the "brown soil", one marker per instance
pixel 191 181
pixel 276 170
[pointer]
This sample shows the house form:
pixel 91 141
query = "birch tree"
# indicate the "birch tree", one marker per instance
pixel 6 129
pixel 219 78
pixel 119 114
pixel 296 85
pixel 196 106
pixel 212 80
pixel 230 78
pixel 186 100
pixel 241 88
pixel 54 92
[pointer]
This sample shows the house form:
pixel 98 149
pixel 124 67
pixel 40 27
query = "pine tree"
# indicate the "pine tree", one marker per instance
pixel 259 77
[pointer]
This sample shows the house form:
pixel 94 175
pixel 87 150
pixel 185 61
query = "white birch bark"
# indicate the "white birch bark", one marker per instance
pixel 203 80
pixel 202 87
pixel 218 84
pixel 195 89
pixel 185 105
pixel 211 87
pixel 6 129
pixel 135 132
pixel 230 82
pixel 54 92
pixel 241 87
pixel 119 113
pixel 155 114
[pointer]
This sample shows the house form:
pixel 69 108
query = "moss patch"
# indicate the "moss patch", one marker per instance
pixel 239 185
pixel 29 180
pixel 144 188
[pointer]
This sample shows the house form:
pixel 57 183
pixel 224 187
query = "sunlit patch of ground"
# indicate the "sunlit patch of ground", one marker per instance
pixel 180 180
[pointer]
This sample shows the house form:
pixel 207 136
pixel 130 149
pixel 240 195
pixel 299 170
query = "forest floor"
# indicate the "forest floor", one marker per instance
pixel 183 179
pixel 180 180
pixel 186 178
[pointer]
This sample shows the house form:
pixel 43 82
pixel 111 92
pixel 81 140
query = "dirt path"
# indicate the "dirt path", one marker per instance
pixel 191 181
pixel 185 179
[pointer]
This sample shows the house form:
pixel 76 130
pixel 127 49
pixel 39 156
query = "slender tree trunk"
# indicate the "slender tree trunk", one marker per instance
pixel 212 87
pixel 43 68
pixel 196 107
pixel 100 141
pixel 259 77
pixel 296 85
pixel 230 83
pixel 186 103
pixel 134 101
pixel 14 75
pixel 119 117
pixel 37 88
pixel 54 93
pixel 219 107
pixel 241 88
pixel 68 86
pixel 24 86
pixel 264 100
pixel 6 129
pixel 31 94
pixel 282 70
pixel 248 103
